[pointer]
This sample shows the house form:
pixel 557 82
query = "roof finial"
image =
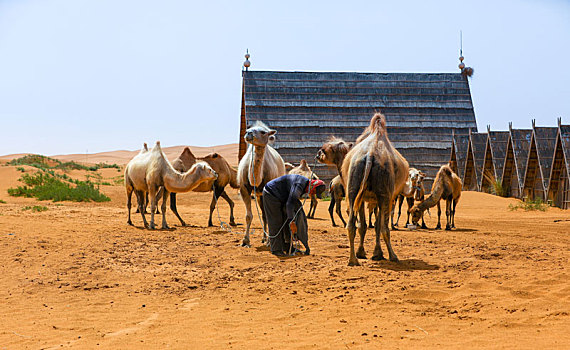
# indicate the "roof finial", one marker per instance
pixel 466 71
pixel 533 123
pixel 559 121
pixel 247 64
pixel 488 128
pixel 510 126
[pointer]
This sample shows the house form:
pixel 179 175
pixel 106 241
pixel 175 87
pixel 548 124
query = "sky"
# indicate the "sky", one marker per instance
pixel 86 76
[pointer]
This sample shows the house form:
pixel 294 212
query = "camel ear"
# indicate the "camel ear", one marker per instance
pixel 350 145
pixel 272 132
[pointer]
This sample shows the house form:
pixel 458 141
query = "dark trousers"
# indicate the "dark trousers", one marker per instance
pixel 279 231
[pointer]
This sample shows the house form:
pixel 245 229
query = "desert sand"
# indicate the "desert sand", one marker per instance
pixel 78 276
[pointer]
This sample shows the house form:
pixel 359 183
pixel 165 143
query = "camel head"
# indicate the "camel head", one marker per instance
pixel 333 151
pixel 259 134
pixel 419 185
pixel 204 171
pixel 288 166
pixel 416 214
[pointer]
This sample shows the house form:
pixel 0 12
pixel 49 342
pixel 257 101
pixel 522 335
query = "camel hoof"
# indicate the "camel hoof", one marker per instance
pixel 424 227
pixel 354 262
pixel 210 224
pixel 394 258
pixel 370 226
pixel 438 227
pixel 378 257
pixel 360 253
pixel 447 228
pixel 245 243
pixel 335 225
pixel 130 223
pixel 233 223
pixel 151 226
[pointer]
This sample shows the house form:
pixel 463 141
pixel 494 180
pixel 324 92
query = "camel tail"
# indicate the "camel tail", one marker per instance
pixel 359 196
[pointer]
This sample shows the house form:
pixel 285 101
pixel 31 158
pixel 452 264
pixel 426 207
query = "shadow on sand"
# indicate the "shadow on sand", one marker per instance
pixel 403 265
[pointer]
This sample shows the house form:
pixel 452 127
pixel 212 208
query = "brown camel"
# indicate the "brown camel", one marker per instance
pixel 447 185
pixel 304 170
pixel 226 176
pixel 333 152
pixel 374 171
pixel 336 190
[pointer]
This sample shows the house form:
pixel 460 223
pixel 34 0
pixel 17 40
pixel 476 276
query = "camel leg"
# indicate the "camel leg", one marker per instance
pixel 153 199
pixel 453 213
pixel 174 208
pixel 384 212
pixel 360 253
pixel 331 209
pixel 370 212
pixel 140 199
pixel 231 204
pixel 246 197
pixel 163 208
pixel 339 212
pixel 400 201
pixel 410 202
pixel 351 229
pixel 448 214
pixel 438 227
pixel 424 226
pixel 129 195
pixel 378 255
pixel 313 209
pixel 216 194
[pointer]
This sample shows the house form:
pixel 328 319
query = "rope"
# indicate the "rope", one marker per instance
pixel 223 225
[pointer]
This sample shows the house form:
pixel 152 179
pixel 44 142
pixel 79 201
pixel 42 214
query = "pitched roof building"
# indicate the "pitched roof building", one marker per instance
pixel 537 175
pixel 516 157
pixel 474 161
pixel 495 151
pixel 422 110
pixel 559 185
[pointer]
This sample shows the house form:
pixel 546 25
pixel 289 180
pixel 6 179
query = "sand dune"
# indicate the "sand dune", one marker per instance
pixel 121 157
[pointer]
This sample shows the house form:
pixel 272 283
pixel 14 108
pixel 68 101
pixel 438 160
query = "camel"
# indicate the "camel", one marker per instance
pixel 260 164
pixel 333 152
pixel 447 185
pixel 414 183
pixel 304 170
pixel 226 175
pixel 148 171
pixel 288 167
pixel 373 171
pixel 336 190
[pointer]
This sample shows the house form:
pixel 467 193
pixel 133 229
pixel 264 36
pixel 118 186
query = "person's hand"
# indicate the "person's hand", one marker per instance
pixel 293 227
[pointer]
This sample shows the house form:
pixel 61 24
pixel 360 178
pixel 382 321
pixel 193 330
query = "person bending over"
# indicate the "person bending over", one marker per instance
pixel 284 211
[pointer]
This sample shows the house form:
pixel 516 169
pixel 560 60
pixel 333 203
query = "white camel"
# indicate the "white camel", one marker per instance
pixel 149 171
pixel 260 164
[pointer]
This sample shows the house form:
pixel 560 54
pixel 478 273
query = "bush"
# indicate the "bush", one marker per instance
pixel 35 208
pixel 2 201
pixel 43 162
pixel 21 169
pixel 530 205
pixel 46 186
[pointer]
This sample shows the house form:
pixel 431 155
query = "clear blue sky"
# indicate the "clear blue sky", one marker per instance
pixel 101 75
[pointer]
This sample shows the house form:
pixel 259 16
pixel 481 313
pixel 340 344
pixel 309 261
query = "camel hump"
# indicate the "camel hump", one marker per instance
pixel 304 164
pixel 378 123
pixel 447 170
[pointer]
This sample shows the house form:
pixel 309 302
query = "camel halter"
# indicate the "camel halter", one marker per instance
pixel 223 225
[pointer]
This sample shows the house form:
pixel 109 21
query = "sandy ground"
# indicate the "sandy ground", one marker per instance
pixel 78 276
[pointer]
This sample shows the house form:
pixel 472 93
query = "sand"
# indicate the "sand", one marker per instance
pixel 78 276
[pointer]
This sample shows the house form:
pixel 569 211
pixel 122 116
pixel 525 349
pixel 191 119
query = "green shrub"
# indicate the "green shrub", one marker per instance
pixel 46 186
pixel 2 201
pixel 35 208
pixel 21 169
pixel 530 205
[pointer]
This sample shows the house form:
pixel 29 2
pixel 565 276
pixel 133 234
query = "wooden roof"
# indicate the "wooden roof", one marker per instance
pixel 498 144
pixel 545 140
pixel 520 139
pixel 478 144
pixel 565 140
pixel 306 108
pixel 460 142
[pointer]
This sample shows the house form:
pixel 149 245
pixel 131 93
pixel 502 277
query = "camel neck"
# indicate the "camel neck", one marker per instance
pixel 257 165
pixel 434 197
pixel 177 182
